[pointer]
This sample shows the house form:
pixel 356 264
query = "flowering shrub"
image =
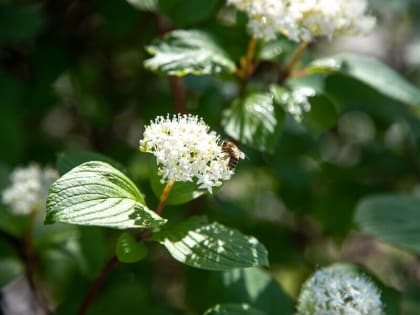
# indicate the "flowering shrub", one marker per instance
pixel 256 168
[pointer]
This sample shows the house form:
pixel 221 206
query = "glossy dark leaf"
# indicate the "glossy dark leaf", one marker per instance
pixel 372 72
pixel 211 246
pixel 391 218
pixel 253 286
pixel 183 52
pixel 255 121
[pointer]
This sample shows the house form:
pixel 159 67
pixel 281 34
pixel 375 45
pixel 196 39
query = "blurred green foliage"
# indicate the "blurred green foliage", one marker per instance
pixel 72 78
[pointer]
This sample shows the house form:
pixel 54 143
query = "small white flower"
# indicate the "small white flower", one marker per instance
pixel 339 289
pixel 305 20
pixel 296 103
pixel 186 151
pixel 29 188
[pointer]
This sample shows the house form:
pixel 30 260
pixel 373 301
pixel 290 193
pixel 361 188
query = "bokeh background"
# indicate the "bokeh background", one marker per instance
pixel 72 78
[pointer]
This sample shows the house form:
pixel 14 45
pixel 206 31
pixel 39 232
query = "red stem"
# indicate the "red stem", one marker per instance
pixel 94 289
pixel 163 197
pixel 247 66
pixel 176 84
pixel 178 94
pixel 287 70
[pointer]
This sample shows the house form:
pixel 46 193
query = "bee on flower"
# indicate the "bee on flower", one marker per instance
pixel 186 150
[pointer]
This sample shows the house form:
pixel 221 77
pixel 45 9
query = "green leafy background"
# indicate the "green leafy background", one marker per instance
pixel 342 186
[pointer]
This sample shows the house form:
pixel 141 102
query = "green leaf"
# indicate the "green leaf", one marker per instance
pixel 183 52
pixel 180 193
pixel 144 5
pixel 253 286
pixel 72 158
pixel 255 121
pixel 233 309
pixel 391 218
pixel 128 250
pixel 211 246
pixel 93 249
pixel 95 193
pixel 323 114
pixel 371 72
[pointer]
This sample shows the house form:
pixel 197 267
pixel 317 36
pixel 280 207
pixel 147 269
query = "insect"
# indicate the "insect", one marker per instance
pixel 233 152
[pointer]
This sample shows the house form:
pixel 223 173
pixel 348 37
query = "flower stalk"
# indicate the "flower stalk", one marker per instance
pixel 287 69
pixel 164 197
pixel 247 65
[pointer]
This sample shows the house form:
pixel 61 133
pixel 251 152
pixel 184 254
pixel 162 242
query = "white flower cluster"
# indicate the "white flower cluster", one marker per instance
pixel 265 16
pixel 339 289
pixel 29 188
pixel 186 151
pixel 304 20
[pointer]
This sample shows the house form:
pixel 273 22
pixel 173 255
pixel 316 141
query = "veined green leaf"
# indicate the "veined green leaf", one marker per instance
pixel 255 121
pixel 391 218
pixel 95 193
pixel 371 72
pixel 233 309
pixel 183 52
pixel 211 246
